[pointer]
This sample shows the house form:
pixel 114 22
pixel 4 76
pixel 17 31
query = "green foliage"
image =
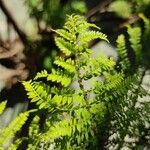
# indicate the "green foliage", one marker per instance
pixel 128 120
pixel 2 106
pixel 47 14
pixel 10 131
pixel 129 126
pixel 13 127
pixel 49 10
pixel 125 8
pixel 69 121
pixel 15 144
pixel 68 64
pixel 142 5
pixel 122 52
pixel 96 67
pixel 135 40
pixel 122 8
pixel 75 118
pixel 34 134
pixel 145 41
pixel 135 44
pixel 109 108
pixel 80 118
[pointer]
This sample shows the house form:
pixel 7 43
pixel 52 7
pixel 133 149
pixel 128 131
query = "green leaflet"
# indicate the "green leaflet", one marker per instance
pixel 71 114
pixel 96 66
pixel 76 118
pixel 122 52
pixel 41 74
pixel 135 41
pixel 64 80
pixel 91 35
pixel 2 106
pixel 10 131
pixel 37 93
pixel 15 145
pixel 64 46
pixel 67 64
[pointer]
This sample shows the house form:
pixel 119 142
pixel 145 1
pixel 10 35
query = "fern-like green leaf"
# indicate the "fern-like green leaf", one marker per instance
pixel 59 129
pixel 15 144
pixel 37 93
pixel 66 35
pixel 69 99
pixel 73 22
pixel 67 64
pixel 64 46
pixel 10 131
pixel 78 24
pixel 42 74
pixel 135 40
pixel 34 127
pixel 2 106
pixel 59 78
pixel 34 134
pixel 91 35
pixel 146 23
pixel 122 52
pixel 74 116
pixel 96 66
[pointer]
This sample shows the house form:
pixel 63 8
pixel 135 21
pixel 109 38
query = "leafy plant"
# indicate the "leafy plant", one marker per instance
pixel 70 112
pixel 78 118
pixel 104 111
pixel 46 14
pixel 10 131
pixel 130 7
pixel 48 10
pixel 130 126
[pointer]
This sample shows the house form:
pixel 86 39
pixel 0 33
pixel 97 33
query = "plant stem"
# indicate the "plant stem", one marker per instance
pixel 79 79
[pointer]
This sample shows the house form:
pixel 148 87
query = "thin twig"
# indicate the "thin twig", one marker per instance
pixel 98 8
pixel 131 20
